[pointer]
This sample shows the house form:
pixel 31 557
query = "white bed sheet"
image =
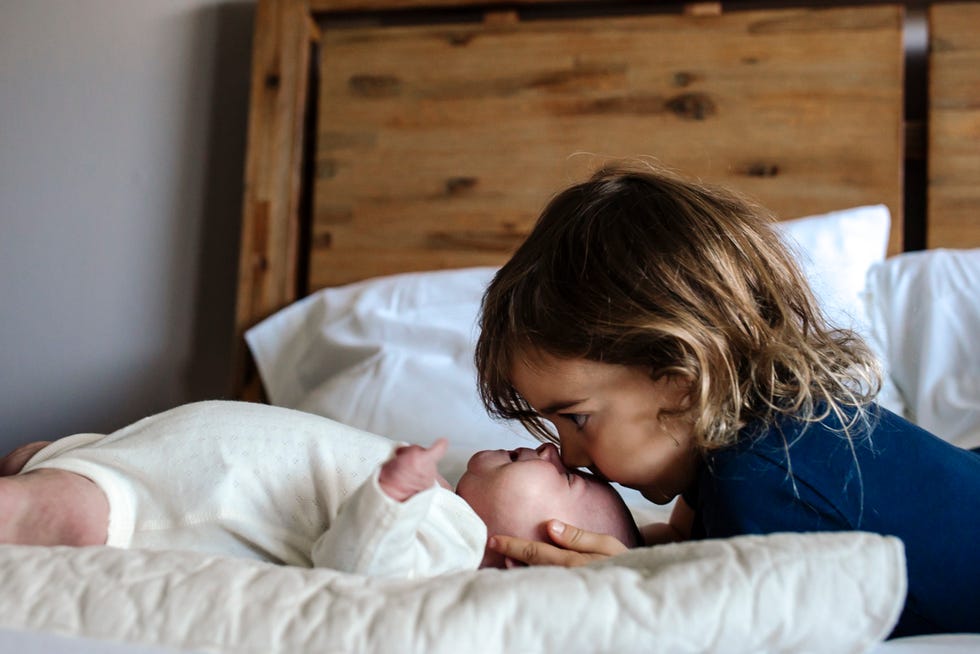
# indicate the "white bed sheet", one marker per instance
pixel 936 644
pixel 14 641
pixel 27 642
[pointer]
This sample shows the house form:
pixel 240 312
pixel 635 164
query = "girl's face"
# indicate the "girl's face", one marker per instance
pixel 612 419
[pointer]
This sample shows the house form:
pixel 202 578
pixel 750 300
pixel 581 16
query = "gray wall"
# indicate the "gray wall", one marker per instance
pixel 122 137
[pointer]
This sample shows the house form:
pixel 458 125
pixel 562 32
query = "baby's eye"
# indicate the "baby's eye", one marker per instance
pixel 579 419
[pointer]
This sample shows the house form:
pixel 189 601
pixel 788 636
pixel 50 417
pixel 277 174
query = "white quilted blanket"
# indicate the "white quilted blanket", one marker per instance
pixel 834 593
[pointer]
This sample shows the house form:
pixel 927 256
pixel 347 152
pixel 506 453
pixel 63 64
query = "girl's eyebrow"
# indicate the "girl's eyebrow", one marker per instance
pixel 558 406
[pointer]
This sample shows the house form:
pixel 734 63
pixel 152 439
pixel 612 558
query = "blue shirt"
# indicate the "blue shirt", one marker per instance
pixel 897 480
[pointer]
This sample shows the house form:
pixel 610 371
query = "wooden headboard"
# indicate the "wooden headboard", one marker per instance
pixel 395 135
pixel 954 126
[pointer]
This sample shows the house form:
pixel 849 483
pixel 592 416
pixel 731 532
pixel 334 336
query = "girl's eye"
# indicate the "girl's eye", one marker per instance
pixel 579 419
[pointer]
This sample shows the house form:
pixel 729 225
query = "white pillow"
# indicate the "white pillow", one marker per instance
pixel 394 355
pixel 391 355
pixel 836 250
pixel 837 593
pixel 925 319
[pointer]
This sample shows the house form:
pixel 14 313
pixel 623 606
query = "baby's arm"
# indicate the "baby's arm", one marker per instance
pixel 412 470
pixel 399 524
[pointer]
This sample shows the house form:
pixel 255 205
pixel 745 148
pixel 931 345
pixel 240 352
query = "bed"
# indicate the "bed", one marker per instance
pixel 400 149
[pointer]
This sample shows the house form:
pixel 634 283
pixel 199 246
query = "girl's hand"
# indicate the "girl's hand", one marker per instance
pixel 572 547
pixel 412 470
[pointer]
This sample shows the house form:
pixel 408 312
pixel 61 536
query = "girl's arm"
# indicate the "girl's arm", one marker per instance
pixel 677 528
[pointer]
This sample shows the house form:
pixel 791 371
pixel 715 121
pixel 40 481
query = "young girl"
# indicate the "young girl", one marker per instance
pixel 666 333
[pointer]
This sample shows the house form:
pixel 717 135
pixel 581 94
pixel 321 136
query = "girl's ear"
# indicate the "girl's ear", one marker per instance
pixel 685 386
pixel 682 385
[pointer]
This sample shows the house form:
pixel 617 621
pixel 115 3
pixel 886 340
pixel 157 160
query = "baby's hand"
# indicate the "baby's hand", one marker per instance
pixel 13 462
pixel 412 470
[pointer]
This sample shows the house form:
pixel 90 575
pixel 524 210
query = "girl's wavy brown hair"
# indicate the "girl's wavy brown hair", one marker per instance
pixel 640 267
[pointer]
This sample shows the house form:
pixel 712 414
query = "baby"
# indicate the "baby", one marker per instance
pixel 245 479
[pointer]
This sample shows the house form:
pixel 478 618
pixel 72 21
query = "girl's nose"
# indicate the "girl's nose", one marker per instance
pixel 523 454
pixel 573 455
pixel 547 451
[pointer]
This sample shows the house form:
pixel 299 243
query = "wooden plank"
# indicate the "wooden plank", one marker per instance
pixel 953 213
pixel 385 5
pixel 695 6
pixel 270 223
pixel 438 145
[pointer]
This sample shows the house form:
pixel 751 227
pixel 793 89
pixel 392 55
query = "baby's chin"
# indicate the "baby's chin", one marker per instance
pixel 492 559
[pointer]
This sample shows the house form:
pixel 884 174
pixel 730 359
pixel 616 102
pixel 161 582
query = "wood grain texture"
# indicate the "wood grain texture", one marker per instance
pixel 953 214
pixel 270 222
pixel 386 5
pixel 437 145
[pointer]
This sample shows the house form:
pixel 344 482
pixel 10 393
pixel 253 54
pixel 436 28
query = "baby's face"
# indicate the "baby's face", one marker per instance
pixel 515 492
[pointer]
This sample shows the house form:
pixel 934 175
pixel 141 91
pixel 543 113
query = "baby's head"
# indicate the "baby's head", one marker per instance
pixel 516 492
